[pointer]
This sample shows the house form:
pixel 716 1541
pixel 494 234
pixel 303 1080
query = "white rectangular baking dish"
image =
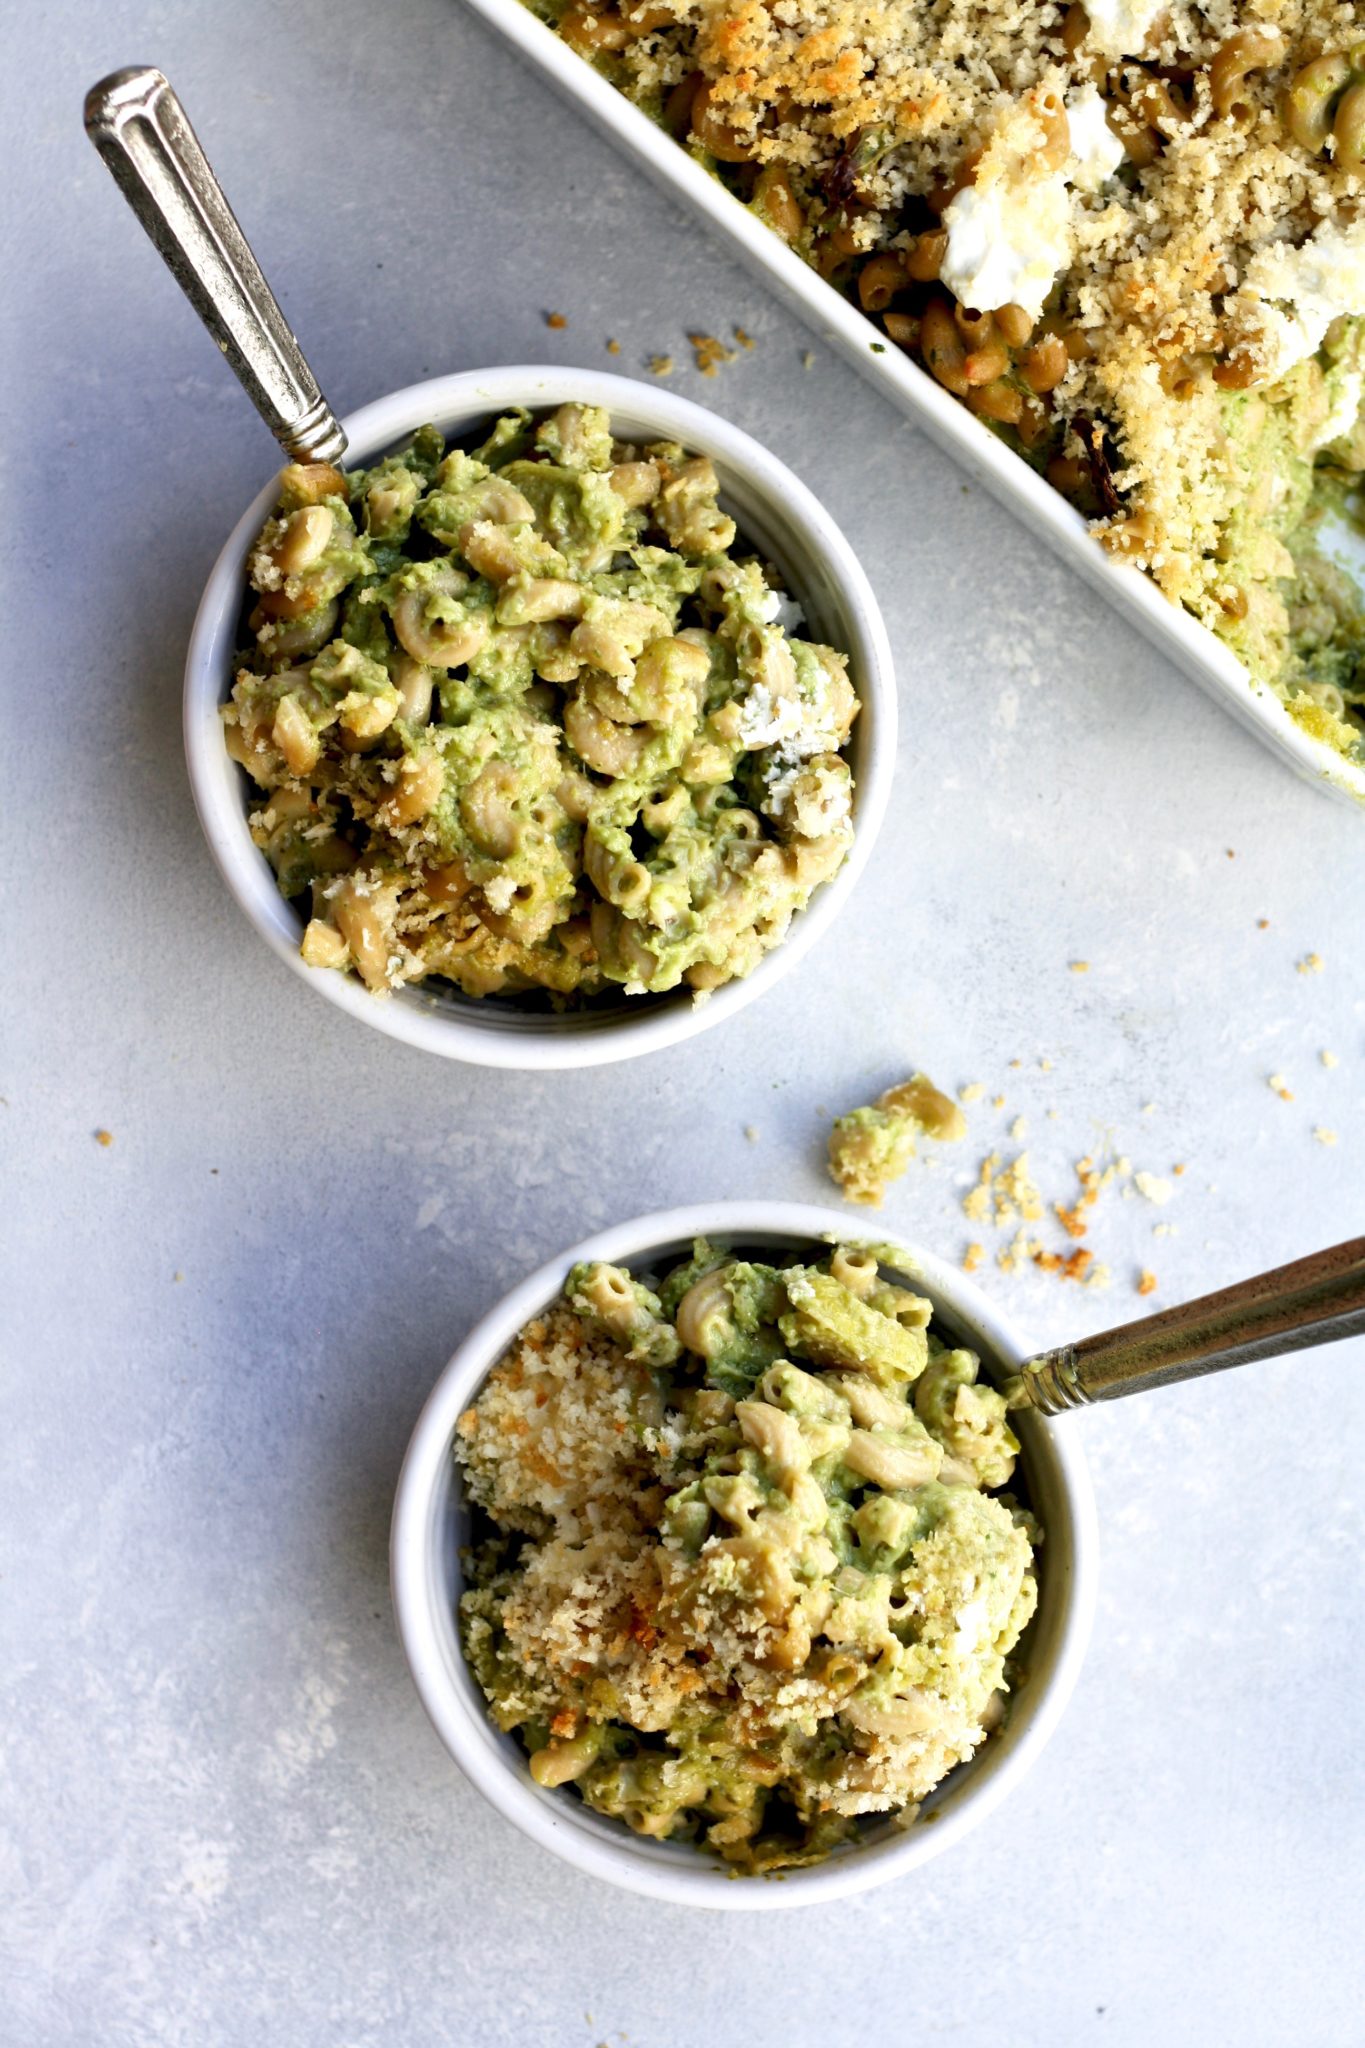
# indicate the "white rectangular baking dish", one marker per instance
pixel 1191 646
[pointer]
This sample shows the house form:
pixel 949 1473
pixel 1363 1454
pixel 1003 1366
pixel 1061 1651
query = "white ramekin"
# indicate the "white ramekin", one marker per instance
pixel 429 1526
pixel 776 514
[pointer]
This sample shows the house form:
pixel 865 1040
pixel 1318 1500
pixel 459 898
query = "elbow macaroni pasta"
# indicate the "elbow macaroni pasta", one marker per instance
pixel 522 718
pixel 1133 245
pixel 741 1572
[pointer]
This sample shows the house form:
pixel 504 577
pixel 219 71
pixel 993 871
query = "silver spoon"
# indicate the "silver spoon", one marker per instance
pixel 141 130
pixel 1313 1301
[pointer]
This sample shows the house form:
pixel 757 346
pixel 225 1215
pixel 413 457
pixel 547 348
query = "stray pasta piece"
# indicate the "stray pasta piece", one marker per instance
pixel 740 1570
pixel 873 1145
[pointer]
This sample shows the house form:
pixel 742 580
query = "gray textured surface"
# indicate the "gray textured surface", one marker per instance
pixel 222 1816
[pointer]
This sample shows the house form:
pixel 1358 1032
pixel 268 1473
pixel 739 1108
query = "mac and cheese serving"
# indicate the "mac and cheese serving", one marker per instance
pixel 526 716
pixel 741 1569
pixel 1128 235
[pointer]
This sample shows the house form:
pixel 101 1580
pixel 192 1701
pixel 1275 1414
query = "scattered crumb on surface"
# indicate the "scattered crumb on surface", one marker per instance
pixel 1281 1087
pixel 1003 1193
pixel 661 366
pixel 1148 1108
pixel 1165 1229
pixel 1231 852
pixel 973 1256
pixel 1019 1129
pixel 613 346
pixel 1146 1281
pixel 1311 963
pixel 1178 1170
pixel 751 1133
pixel 743 337
pixel 555 320
pixel 997 1102
pixel 971 1091
pixel 1016 1063
pixel 1263 924
pixel 808 358
pixel 1079 966
pixel 177 1276
pixel 1045 1065
pixel 1329 1059
pixel 1080 1265
pixel 1153 1188
pixel 105 1138
pixel 1323 1135
pixel 710 352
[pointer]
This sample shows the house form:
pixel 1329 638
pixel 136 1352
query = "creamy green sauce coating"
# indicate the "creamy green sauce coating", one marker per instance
pixel 527 716
pixel 1299 622
pixel 875 1143
pixel 742 1572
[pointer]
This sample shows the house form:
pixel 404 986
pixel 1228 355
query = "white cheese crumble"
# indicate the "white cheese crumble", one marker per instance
pixel 768 721
pixel 1119 28
pixel 813 797
pixel 1010 235
pixel 1153 1187
pixel 1096 151
pixel 972 1623
pixel 1007 241
pixel 1305 290
pixel 799 725
pixel 775 608
pixel 498 893
pixel 1346 408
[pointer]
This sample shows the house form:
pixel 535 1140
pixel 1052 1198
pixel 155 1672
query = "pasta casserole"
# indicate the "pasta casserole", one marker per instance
pixel 526 716
pixel 742 1570
pixel 1129 235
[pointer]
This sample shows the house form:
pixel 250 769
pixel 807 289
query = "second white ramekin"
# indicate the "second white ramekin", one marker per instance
pixel 430 1523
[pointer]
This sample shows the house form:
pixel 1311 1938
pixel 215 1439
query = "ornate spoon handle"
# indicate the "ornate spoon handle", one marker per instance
pixel 141 130
pixel 1313 1301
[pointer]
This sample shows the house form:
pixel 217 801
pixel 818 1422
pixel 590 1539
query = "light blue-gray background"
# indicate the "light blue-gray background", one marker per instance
pixel 223 1818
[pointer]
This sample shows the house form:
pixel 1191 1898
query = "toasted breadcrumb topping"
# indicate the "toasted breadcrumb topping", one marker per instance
pixel 1151 178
